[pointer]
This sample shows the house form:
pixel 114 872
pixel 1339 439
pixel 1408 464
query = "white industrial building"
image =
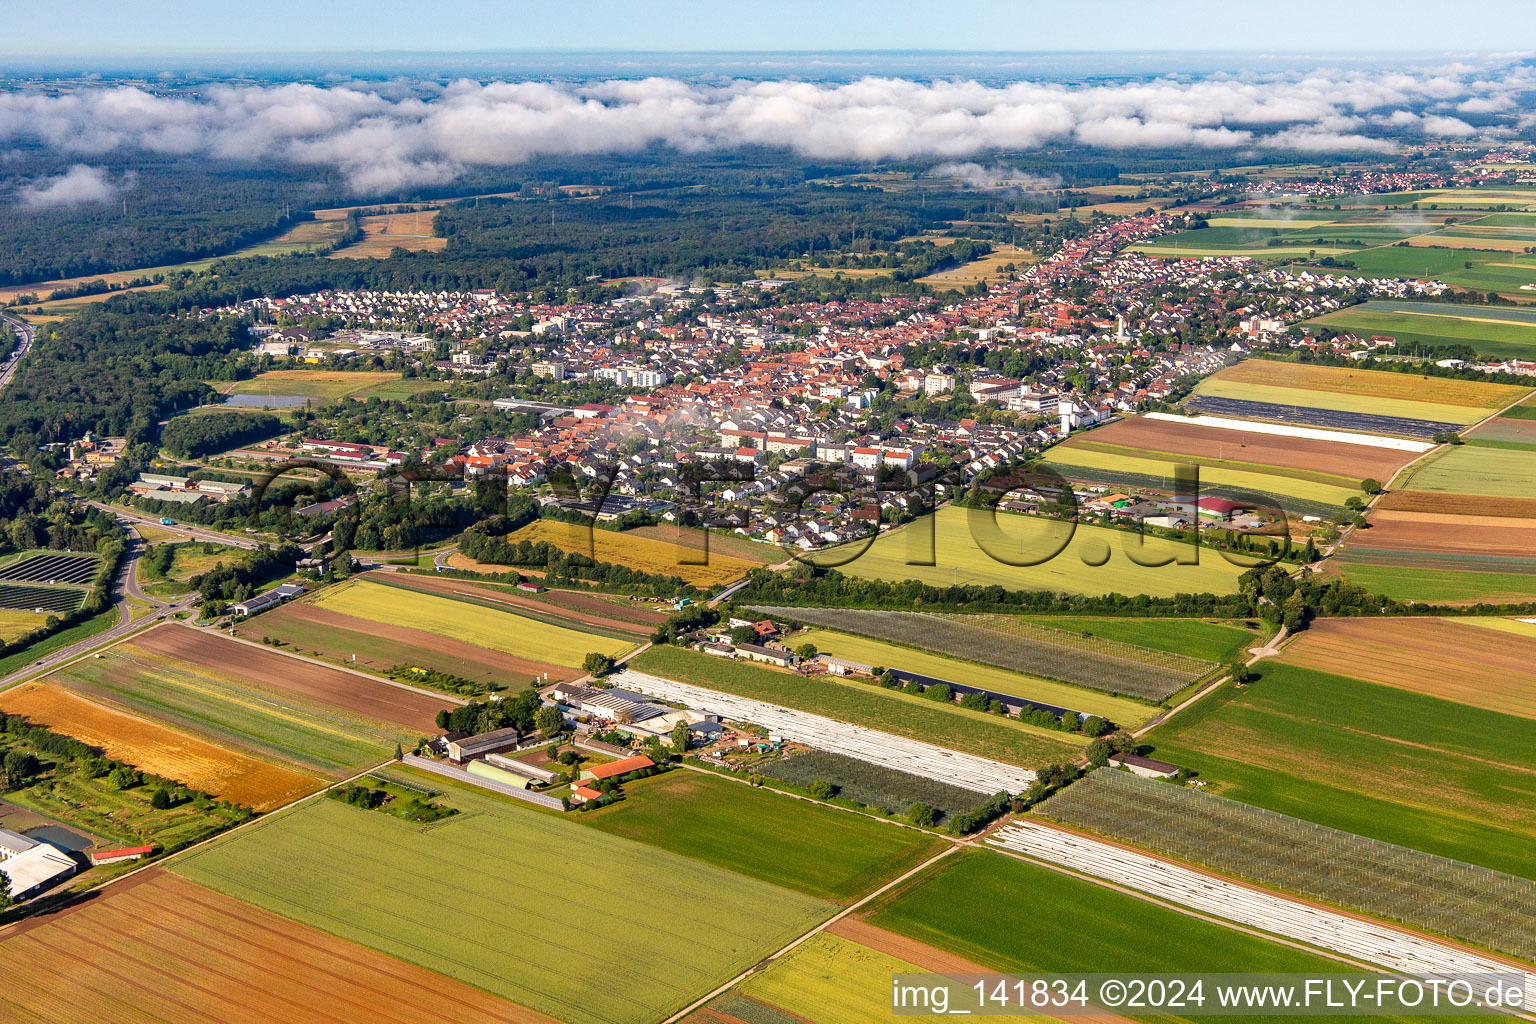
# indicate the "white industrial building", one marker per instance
pixel 31 865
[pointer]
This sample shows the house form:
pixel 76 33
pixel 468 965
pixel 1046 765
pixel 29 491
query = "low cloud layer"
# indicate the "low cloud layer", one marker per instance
pixel 389 136
pixel 80 184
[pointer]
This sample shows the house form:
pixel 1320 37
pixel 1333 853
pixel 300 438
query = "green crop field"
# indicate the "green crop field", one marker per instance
pixel 1378 761
pixel 323 385
pixel 468 621
pixel 888 655
pixel 1197 638
pixel 831 980
pixel 1091 559
pixel 521 903
pixel 1502 272
pixel 1471 469
pixel 830 854
pixel 1014 916
pixel 1493 331
pixel 1441 585
pixel 233 712
pixel 947 725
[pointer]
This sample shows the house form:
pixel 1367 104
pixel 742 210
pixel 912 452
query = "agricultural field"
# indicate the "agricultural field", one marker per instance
pixel 637 552
pixel 1441 586
pixel 313 718
pixel 160 947
pixel 829 854
pixel 1277 851
pixel 594 612
pixel 1326 462
pixel 1379 761
pixel 328 385
pixel 385 232
pixel 1085 657
pixel 1468 469
pixel 1202 639
pixel 467 620
pixel 1445 658
pixel 358 642
pixel 870 784
pixel 1495 332
pixel 910 629
pixel 505 874
pixel 1087 559
pixel 1370 392
pixel 947 725
pixel 150 747
pixel 15 624
pixel 720 543
pixel 1470 545
pixel 969 904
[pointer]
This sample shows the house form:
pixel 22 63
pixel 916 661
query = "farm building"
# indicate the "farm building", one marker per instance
pixel 614 705
pixel 1221 508
pixel 100 857
pixel 271 599
pixel 484 770
pixel 467 747
pixel 753 652
pixel 533 772
pixel 583 794
pixel 31 865
pixel 613 769
pixel 1144 766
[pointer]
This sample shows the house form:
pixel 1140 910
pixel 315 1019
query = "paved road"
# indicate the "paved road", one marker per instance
pixel 128 516
pixel 122 586
pixel 26 333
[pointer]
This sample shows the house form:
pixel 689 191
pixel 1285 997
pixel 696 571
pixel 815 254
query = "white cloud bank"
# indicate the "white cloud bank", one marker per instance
pixel 80 184
pixel 389 136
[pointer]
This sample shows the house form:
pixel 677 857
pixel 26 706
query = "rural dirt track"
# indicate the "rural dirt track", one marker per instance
pixel 1348 460
pixel 1438 657
pixel 161 948
pixel 307 679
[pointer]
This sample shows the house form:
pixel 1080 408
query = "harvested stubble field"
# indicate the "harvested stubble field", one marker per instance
pixel 637 552
pixel 154 748
pixel 467 620
pixel 833 980
pixel 1379 761
pixel 1351 461
pixel 1346 380
pixel 504 873
pixel 161 948
pixel 1013 644
pixel 1438 657
pixel 267 705
pixel 972 673
pixel 720 543
pixel 1451 415
pixel 15 624
pixel 1418 889
pixel 1445 532
pixel 306 627
pixel 1087 560
pixel 821 852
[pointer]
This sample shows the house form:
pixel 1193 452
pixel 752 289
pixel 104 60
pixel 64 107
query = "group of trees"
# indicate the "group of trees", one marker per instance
pixel 520 712
pixel 192 437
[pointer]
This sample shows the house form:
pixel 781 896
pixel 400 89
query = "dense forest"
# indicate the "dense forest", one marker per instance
pixel 190 437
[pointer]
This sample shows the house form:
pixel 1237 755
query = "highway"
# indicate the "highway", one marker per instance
pixel 26 332
pixel 131 517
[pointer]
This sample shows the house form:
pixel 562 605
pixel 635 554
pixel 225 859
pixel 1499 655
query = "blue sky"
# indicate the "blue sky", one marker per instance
pixel 78 27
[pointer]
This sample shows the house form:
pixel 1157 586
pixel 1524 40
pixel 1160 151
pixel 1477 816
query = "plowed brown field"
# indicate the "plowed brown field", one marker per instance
pixel 371 645
pixel 161 751
pixel 165 950
pixel 1443 532
pixel 1459 504
pixel 1349 460
pixel 341 689
pixel 1439 657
